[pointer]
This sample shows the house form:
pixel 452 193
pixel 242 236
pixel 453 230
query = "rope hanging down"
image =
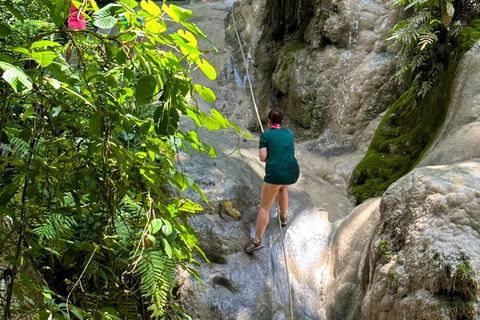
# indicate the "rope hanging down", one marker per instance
pixel 261 126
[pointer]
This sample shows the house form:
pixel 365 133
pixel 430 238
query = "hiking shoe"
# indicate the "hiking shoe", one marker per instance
pixel 254 245
pixel 284 221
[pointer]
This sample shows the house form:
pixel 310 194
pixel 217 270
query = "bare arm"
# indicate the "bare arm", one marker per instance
pixel 262 153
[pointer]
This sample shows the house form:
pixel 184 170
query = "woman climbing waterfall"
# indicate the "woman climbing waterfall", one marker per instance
pixel 277 150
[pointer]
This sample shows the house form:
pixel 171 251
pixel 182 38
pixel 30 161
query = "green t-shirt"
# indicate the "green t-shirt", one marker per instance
pixel 281 165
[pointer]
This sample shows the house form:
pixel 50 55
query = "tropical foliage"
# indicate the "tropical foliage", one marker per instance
pixel 88 182
pixel 426 36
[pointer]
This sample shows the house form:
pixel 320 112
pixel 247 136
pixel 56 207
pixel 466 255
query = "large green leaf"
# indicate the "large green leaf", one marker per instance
pixel 105 18
pixel 13 10
pixel 5 30
pixel 145 90
pixel 13 74
pixel 206 93
pixel 59 10
pixel 130 3
pixel 207 69
pixel 95 124
pixel 44 58
pixel 44 43
pixel 152 8
pixel 176 13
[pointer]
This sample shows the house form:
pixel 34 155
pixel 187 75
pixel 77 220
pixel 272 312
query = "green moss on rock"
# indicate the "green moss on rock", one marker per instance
pixel 408 128
pixel 405 132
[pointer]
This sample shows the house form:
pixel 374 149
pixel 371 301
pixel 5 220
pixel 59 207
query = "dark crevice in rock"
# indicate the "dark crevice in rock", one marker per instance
pixel 224 282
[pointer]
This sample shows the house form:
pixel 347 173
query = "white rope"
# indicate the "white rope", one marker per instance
pixel 246 69
pixel 261 126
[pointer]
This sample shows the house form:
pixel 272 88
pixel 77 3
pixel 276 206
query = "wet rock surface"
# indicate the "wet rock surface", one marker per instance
pixel 241 286
pixel 423 260
pixel 458 138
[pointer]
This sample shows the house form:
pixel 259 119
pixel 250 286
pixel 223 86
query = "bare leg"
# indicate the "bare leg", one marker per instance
pixel 269 192
pixel 282 198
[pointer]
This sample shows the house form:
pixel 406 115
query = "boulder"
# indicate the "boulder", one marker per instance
pixel 349 259
pixel 423 261
pixel 458 138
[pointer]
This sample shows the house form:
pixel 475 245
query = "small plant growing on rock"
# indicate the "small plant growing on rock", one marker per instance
pixel 385 248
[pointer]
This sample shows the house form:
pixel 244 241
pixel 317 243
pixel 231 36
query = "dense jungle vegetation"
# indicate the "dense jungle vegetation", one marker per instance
pixel 93 222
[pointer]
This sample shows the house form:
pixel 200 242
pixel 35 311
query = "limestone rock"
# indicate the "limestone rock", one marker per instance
pixel 349 251
pixel 240 286
pixel 423 262
pixel 458 138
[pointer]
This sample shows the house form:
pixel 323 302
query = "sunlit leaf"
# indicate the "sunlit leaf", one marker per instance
pixel 44 58
pixel 12 75
pixel 207 69
pixel 155 226
pixel 151 7
pixel 176 13
pixel 131 3
pixel 106 17
pixel 44 43
pixel 206 93
pixel 155 26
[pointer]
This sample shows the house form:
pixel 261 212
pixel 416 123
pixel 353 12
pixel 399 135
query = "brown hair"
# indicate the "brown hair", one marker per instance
pixel 275 116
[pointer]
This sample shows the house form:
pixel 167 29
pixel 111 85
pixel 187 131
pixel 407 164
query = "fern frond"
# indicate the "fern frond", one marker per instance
pixel 158 280
pixel 417 61
pixel 20 146
pixel 425 88
pixel 427 40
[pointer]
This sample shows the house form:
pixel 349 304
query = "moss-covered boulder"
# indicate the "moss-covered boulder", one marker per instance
pixel 411 124
pixel 401 138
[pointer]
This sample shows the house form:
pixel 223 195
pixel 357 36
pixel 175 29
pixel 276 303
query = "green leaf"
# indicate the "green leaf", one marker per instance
pixel 131 3
pixel 44 58
pixel 145 90
pixel 44 43
pixel 206 93
pixel 16 13
pixel 5 30
pixel 77 314
pixel 200 192
pixel 211 124
pixel 168 249
pixel 121 57
pixel 155 226
pixel 196 30
pixel 95 124
pixel 219 118
pixel 167 228
pixel 176 13
pixel 155 27
pixel 194 117
pixel 152 8
pixel 6 58
pixel 12 74
pixel 8 192
pixel 145 127
pixel 105 18
pixel 207 69
pixel 21 50
pixel 59 10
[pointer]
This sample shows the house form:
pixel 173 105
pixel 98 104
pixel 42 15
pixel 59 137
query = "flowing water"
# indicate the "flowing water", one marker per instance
pixel 256 287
